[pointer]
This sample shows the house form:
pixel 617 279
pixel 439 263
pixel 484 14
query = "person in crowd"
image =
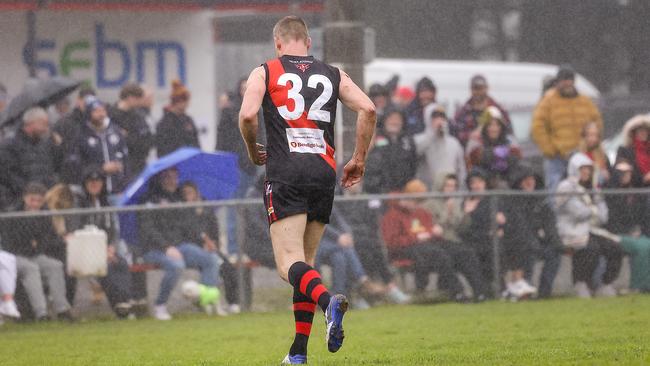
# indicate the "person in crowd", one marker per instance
pixel 229 139
pixel 475 228
pixel 591 145
pixel 166 238
pixel 117 284
pixel 8 275
pixel 145 107
pixel 4 97
pixel 494 152
pixel 176 129
pixel 69 129
pixel 59 109
pixel 636 152
pixel 337 251
pixel 635 149
pixel 531 230
pixel 411 233
pixel 442 152
pixel 402 97
pixel 101 143
pixel 133 127
pixel 61 197
pixel 380 95
pixel 204 229
pixel 558 122
pixel 30 239
pixel 626 217
pixel 363 219
pixel 32 155
pixel 467 119
pixel 448 214
pixel 576 216
pixel 425 91
pixel 392 162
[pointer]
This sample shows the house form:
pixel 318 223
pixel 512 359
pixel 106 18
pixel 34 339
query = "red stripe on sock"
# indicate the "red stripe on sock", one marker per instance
pixel 317 291
pixel 306 278
pixel 304 306
pixel 303 328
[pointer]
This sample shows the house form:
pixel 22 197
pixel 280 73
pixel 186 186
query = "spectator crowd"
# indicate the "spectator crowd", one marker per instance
pixel 91 153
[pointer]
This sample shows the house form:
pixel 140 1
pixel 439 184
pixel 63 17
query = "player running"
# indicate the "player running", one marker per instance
pixel 299 96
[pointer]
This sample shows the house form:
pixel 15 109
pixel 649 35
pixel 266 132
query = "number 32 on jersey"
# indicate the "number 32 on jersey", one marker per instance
pixel 315 112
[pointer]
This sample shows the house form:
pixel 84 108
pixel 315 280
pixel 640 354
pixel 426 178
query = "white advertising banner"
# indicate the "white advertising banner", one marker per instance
pixel 110 48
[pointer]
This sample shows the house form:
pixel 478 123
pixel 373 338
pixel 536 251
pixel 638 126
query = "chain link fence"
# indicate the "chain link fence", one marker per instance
pixel 89 244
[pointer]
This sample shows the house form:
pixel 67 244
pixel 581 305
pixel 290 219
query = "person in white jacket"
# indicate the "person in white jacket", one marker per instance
pixel 577 215
pixel 7 286
pixel 443 154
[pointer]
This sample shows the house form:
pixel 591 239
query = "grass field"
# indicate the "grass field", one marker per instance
pixel 562 331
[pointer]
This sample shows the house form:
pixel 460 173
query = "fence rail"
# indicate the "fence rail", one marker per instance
pixel 339 198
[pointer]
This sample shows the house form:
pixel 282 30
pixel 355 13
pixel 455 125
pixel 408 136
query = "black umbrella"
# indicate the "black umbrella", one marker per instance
pixel 37 93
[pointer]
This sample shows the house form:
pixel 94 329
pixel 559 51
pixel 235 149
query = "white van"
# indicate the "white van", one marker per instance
pixel 516 86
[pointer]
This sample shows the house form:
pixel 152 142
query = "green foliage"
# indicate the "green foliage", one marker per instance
pixel 555 332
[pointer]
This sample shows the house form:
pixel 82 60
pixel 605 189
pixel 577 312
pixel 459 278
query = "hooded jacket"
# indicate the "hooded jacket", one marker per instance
pixel 391 164
pixel 558 122
pixel 467 120
pixel 97 147
pixel 530 220
pixel 627 152
pixel 415 122
pixel 577 214
pixel 442 153
pixel 400 227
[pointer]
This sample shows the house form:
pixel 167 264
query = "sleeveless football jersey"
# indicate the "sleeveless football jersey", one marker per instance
pixel 299 112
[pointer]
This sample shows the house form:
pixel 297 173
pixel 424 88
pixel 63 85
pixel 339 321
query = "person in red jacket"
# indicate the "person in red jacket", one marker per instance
pixel 410 233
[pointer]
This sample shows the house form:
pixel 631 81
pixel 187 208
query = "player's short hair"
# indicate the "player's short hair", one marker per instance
pixel 131 90
pixel 291 28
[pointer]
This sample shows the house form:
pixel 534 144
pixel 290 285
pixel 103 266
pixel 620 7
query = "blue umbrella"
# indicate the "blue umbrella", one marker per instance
pixel 215 174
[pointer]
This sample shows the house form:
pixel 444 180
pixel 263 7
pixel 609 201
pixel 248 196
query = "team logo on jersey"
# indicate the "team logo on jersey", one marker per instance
pixel 303 67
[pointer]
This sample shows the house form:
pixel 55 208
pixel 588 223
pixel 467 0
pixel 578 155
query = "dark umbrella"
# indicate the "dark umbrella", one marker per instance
pixel 37 93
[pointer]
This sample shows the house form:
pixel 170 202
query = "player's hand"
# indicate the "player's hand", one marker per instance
pixel 352 172
pixel 258 156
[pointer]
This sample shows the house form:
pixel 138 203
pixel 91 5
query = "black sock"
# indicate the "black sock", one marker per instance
pixel 303 313
pixel 306 280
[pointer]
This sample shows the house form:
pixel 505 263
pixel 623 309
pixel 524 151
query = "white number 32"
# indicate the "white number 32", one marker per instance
pixel 315 111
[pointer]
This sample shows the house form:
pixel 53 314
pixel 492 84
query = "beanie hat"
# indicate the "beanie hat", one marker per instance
pixel 425 83
pixel 405 92
pixel 179 92
pixel 565 72
pixel 91 103
pixel 476 172
pixel 439 111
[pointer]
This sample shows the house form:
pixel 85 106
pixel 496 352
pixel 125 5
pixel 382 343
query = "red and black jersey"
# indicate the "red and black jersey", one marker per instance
pixel 299 113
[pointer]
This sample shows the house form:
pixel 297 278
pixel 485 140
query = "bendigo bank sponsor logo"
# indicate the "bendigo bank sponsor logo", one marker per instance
pixel 310 145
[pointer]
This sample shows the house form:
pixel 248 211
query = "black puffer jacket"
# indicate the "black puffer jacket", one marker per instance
pixel 530 220
pixel 160 229
pixel 138 137
pixel 24 159
pixel 175 131
pixel 391 164
pixel 30 236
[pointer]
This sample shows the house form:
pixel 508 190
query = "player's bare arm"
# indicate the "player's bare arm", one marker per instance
pixel 354 98
pixel 248 121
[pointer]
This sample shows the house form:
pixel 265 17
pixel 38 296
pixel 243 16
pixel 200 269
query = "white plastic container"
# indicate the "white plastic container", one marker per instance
pixel 87 252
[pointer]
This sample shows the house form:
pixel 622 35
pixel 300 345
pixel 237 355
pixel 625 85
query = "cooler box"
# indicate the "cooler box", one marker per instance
pixel 86 249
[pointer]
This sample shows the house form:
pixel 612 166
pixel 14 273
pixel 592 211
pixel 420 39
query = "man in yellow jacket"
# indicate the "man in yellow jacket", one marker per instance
pixel 558 121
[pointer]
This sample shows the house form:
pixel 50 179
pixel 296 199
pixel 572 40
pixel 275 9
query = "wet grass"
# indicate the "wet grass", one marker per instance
pixel 555 332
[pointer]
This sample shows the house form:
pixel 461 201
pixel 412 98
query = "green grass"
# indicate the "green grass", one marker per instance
pixel 563 331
